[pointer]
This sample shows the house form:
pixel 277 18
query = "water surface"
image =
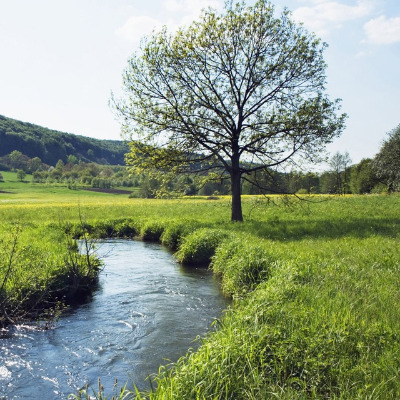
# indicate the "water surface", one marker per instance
pixel 148 310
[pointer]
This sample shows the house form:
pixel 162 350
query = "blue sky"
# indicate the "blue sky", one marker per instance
pixel 60 60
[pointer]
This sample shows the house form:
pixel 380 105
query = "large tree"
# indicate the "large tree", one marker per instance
pixel 386 164
pixel 239 92
pixel 362 177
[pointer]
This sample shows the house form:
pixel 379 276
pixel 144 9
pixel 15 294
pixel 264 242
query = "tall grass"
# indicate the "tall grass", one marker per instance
pixel 316 328
pixel 41 268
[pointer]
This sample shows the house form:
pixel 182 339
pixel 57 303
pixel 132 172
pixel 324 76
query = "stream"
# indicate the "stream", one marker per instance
pixel 147 312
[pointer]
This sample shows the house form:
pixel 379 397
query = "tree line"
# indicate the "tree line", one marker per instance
pixel 377 175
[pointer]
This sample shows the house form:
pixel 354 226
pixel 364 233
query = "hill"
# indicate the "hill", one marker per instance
pixel 51 145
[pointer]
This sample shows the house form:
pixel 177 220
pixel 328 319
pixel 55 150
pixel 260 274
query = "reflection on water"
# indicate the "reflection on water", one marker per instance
pixel 147 311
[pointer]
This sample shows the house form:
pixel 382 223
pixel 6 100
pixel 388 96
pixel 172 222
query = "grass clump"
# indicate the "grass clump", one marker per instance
pixel 242 265
pixel 109 228
pixel 101 229
pixel 199 247
pixel 175 231
pixel 152 230
pixel 37 275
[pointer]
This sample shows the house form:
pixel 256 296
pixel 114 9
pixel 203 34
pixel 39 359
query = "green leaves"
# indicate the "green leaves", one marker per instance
pixel 241 86
pixel 387 161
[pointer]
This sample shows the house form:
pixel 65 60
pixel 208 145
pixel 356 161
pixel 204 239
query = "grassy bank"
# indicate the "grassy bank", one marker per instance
pixel 41 271
pixel 317 300
pixel 316 285
pixel 41 268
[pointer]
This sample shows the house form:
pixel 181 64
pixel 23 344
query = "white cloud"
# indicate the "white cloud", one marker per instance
pixel 190 6
pixel 363 54
pixel 138 26
pixel 175 13
pixel 324 15
pixel 192 9
pixel 383 30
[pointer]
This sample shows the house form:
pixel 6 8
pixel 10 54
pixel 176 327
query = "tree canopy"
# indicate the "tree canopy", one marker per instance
pixel 238 92
pixel 387 162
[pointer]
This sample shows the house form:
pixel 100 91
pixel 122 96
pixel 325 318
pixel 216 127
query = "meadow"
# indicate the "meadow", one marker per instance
pixel 315 283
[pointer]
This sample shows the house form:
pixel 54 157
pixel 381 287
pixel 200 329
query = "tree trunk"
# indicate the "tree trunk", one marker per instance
pixel 236 196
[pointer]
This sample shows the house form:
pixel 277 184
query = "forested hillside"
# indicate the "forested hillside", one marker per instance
pixel 51 146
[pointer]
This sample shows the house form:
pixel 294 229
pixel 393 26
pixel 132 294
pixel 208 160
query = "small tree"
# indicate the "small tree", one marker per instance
pixel 340 164
pixel 21 174
pixel 34 164
pixel 237 93
pixel 72 159
pixel 18 160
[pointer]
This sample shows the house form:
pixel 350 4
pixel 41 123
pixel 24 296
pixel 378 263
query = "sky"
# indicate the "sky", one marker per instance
pixel 61 59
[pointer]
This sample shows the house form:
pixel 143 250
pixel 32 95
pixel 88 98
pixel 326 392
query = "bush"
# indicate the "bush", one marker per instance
pixel 302 191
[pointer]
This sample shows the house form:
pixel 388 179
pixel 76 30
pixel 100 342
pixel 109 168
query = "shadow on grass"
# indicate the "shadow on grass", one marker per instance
pixel 322 228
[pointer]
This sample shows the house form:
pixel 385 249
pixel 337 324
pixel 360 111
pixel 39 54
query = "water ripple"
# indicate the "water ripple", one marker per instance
pixel 147 310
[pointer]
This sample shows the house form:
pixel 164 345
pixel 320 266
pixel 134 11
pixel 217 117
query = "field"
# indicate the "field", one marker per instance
pixel 315 282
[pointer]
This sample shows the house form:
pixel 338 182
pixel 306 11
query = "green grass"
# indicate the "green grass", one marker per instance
pixel 17 192
pixel 316 286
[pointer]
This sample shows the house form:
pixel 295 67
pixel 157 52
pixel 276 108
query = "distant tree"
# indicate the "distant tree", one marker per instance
pixel 92 169
pixel 386 164
pixel 39 176
pixel 90 154
pixel 214 187
pixel 328 182
pixel 264 182
pixel 17 160
pixel 21 174
pixel 60 165
pixel 1 177
pixel 101 183
pixel 309 182
pixel 72 159
pixel 149 187
pixel 34 164
pixel 107 172
pixel 55 149
pixel 238 92
pixel 57 172
pixel 187 185
pixel 362 177
pixel 339 164
pixel 299 182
